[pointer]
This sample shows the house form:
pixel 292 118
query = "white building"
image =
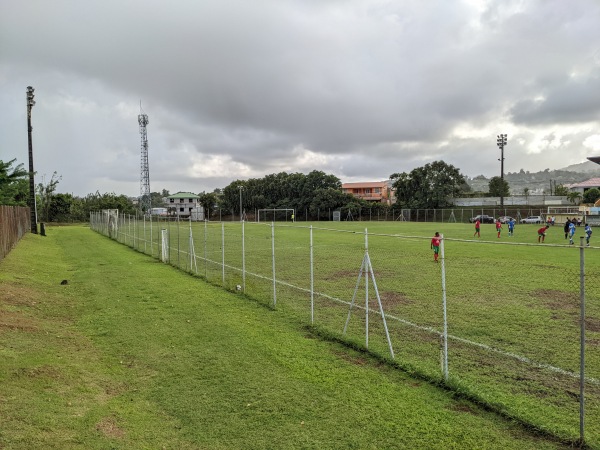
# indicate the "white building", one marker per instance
pixel 184 205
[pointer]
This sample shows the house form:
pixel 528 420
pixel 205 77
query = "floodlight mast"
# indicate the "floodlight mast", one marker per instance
pixel 145 169
pixel 501 143
pixel 32 203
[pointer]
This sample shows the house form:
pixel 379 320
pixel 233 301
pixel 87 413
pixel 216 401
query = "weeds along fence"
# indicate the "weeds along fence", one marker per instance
pixel 14 223
pixel 515 326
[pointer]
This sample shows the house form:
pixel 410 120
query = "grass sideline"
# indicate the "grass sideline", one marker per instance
pixel 131 353
pixel 520 299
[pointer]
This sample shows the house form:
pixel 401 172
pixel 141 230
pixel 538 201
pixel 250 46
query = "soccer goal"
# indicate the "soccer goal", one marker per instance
pixel 111 220
pixel 276 215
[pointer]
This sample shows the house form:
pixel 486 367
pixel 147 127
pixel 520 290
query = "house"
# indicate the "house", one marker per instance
pixel 184 205
pixel 584 185
pixel 371 191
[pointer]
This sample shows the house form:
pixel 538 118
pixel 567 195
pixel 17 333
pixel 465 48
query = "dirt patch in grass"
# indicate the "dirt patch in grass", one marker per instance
pixel 463 407
pixel 353 359
pixel 38 372
pixel 342 274
pixel 109 428
pixel 558 300
pixel 11 320
pixel 15 295
pixel 592 324
pixel 390 298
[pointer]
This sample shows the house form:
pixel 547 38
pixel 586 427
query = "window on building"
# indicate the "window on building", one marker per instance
pixel 180 200
pixel 182 209
pixel 172 200
pixel 367 190
pixel 378 190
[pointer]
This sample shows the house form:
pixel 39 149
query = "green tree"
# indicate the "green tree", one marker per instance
pixel 156 199
pixel 330 199
pixel 591 195
pixel 280 190
pixel 498 187
pixel 574 197
pixel 561 190
pixel 60 208
pixel 81 207
pixel 14 184
pixel 208 201
pixel 430 186
pixel 45 194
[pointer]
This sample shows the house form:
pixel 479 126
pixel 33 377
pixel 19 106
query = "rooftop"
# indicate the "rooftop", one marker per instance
pixel 592 182
pixel 183 195
pixel 365 184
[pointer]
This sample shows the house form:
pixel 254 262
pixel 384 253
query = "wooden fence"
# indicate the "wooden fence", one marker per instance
pixel 14 223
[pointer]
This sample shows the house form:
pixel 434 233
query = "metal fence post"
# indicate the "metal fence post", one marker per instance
pixel 273 263
pixel 366 294
pixel 205 251
pixel 223 251
pixel 582 341
pixel 312 279
pixel 178 250
pixel 445 340
pixel 151 248
pixel 243 257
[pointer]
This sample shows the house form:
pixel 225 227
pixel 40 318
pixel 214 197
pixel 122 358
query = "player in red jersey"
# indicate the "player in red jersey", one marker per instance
pixel 498 227
pixel 542 234
pixel 477 228
pixel 435 245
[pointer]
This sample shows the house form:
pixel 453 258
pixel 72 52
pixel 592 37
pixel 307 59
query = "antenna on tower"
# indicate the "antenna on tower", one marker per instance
pixel 145 169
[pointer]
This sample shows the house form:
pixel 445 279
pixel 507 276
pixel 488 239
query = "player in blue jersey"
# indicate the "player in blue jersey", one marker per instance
pixel 571 232
pixel 588 234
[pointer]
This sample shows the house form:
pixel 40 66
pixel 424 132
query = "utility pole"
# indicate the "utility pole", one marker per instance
pixel 32 204
pixel 501 143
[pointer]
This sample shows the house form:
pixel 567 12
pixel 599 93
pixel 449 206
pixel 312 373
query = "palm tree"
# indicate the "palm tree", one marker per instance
pixel 574 197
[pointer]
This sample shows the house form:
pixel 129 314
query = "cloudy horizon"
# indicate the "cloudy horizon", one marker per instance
pixel 237 90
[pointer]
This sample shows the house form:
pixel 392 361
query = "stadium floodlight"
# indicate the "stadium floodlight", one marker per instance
pixel 32 204
pixel 241 216
pixel 501 142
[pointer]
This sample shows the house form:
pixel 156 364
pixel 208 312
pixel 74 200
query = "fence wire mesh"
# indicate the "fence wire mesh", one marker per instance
pixel 513 311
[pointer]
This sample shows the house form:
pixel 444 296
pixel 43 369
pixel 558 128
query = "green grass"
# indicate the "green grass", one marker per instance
pixel 505 297
pixel 131 353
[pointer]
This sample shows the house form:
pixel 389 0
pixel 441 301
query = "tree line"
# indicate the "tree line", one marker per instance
pixel 315 194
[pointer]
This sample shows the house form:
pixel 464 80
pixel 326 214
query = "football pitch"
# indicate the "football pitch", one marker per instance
pixel 497 319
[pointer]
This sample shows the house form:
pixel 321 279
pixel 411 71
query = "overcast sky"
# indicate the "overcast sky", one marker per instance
pixel 238 89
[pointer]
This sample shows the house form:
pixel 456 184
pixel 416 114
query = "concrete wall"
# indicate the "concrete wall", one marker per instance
pixel 514 200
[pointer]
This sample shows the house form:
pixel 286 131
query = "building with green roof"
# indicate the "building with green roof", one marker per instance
pixel 185 205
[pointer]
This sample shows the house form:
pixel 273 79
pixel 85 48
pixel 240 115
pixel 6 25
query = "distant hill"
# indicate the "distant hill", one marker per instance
pixel 540 182
pixel 584 167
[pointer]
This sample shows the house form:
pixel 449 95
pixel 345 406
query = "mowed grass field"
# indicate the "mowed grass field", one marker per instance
pixel 513 305
pixel 103 347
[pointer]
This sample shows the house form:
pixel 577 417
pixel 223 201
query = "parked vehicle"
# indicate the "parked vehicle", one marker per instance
pixel 533 219
pixel 483 218
pixel 505 219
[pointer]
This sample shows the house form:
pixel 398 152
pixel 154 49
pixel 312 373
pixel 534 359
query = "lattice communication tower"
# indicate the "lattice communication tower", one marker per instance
pixel 145 169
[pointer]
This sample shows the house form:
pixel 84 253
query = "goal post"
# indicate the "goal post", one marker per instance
pixel 276 214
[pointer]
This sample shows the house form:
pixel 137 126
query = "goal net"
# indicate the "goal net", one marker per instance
pixel 111 221
pixel 276 215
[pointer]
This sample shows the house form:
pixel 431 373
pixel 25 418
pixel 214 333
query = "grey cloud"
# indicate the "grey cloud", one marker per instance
pixel 368 87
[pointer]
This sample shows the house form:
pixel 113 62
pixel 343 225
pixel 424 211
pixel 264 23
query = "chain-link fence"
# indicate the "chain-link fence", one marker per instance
pixel 496 321
pixel 14 223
